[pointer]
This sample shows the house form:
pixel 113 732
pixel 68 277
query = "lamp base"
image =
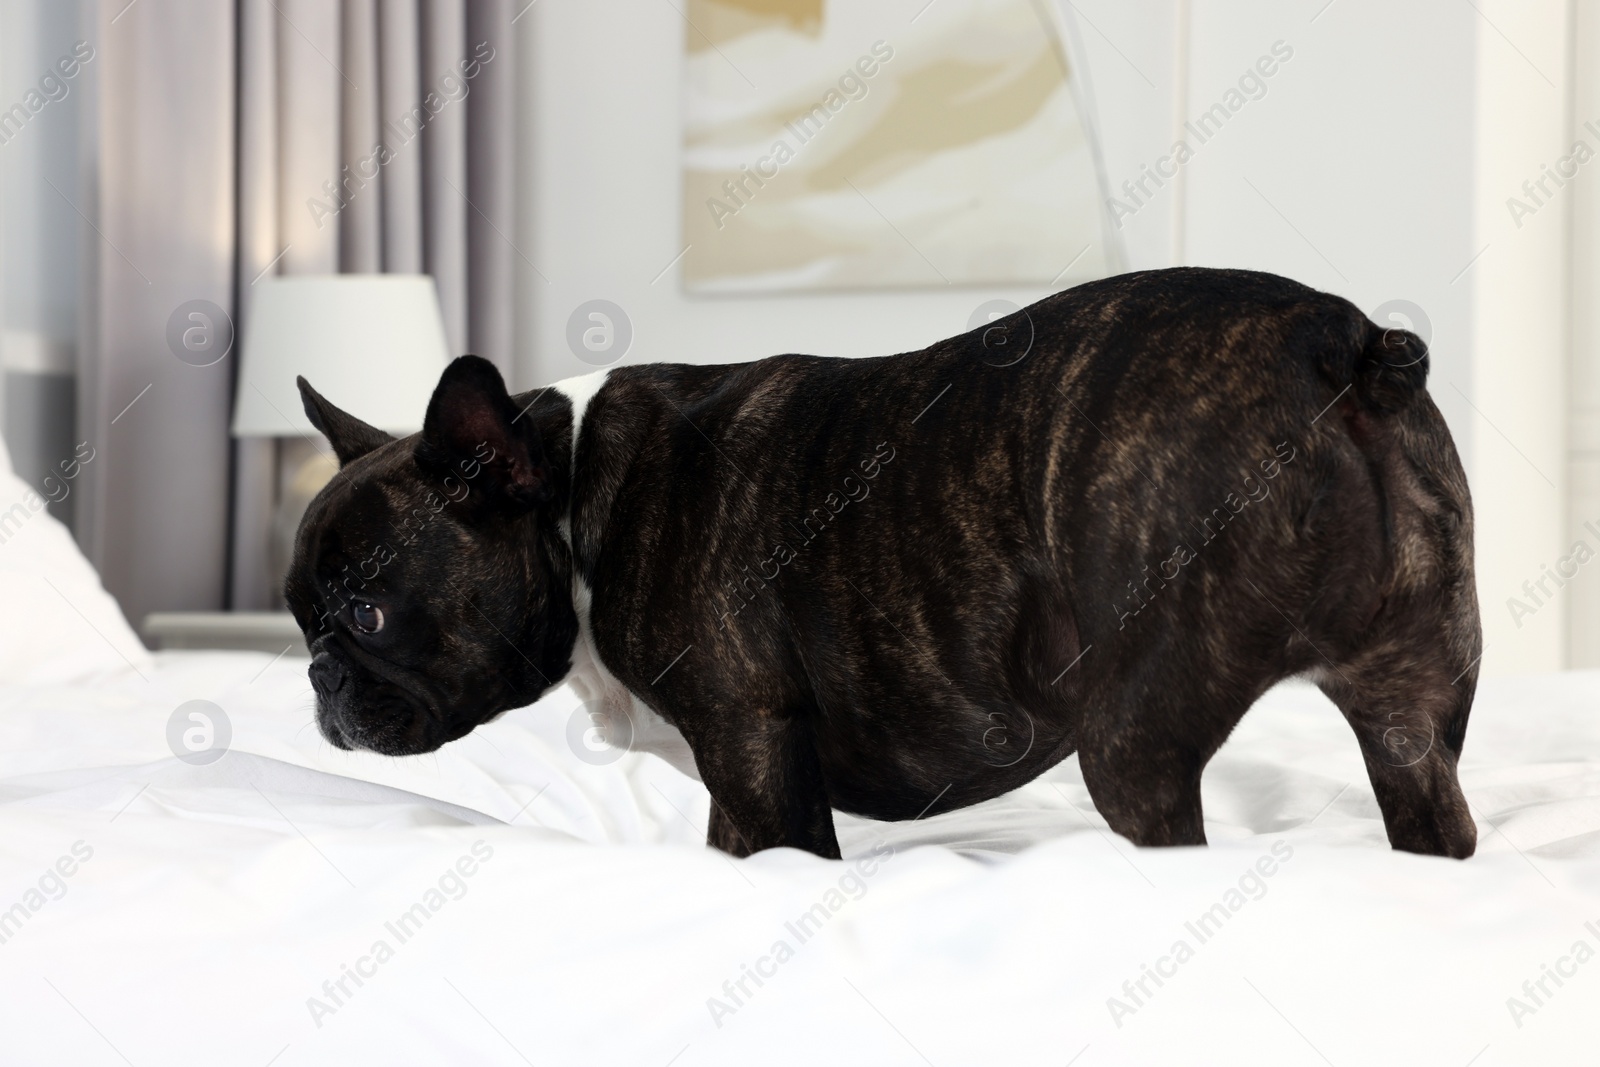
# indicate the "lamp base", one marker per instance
pixel 304 470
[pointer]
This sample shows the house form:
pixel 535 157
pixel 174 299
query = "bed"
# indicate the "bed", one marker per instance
pixel 524 896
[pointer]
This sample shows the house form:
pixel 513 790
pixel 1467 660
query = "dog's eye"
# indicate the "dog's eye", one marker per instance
pixel 368 619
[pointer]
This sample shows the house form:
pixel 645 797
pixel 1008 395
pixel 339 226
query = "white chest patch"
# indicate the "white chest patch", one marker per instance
pixel 621 719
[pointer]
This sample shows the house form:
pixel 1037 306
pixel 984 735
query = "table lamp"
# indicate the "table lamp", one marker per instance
pixel 373 344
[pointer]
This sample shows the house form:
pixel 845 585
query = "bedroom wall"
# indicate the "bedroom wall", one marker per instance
pixel 1520 372
pixel 603 166
pixel 1367 168
pixel 603 159
pixel 1583 437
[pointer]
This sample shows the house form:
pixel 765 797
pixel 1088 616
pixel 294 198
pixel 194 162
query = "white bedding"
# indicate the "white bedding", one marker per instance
pixel 208 905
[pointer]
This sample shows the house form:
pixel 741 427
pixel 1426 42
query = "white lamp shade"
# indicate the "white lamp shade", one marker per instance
pixel 373 344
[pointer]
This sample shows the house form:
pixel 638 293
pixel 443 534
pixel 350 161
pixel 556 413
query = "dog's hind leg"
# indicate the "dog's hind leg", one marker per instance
pixel 1406 679
pixel 1406 691
pixel 1410 720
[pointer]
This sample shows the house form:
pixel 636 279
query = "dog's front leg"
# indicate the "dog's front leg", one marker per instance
pixel 766 784
pixel 721 833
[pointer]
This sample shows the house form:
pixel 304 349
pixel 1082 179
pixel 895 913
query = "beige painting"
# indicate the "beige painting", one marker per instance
pixel 857 143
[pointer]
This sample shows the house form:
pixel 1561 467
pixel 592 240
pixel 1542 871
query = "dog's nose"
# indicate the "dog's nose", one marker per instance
pixel 327 675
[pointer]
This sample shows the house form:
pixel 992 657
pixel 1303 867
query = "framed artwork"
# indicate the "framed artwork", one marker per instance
pixel 867 144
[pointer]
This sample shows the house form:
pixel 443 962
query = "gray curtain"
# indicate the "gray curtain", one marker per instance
pixel 237 141
pixel 157 199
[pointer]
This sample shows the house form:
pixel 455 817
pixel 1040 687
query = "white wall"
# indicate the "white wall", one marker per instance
pixel 1584 412
pixel 1376 166
pixel 1353 173
pixel 1520 369
pixel 601 87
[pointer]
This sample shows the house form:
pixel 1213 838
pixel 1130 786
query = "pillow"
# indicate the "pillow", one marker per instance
pixel 57 623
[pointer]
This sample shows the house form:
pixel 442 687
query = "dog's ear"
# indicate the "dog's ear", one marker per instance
pixel 473 431
pixel 350 437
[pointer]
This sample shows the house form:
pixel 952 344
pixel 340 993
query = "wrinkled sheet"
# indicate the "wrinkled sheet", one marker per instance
pixel 518 898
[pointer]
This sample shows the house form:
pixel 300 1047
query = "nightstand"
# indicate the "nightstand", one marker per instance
pixel 274 632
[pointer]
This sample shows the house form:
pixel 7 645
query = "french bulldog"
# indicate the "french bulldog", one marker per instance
pixel 900 585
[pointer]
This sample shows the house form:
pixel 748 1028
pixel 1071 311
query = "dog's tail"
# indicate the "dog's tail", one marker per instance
pixel 1383 368
pixel 1391 369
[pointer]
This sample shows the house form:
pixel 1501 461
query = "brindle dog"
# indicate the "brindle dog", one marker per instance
pixel 901 585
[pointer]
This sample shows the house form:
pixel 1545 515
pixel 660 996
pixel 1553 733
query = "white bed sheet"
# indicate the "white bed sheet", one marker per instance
pixel 218 900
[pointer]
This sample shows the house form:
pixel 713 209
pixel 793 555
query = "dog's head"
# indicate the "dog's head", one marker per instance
pixel 428 577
